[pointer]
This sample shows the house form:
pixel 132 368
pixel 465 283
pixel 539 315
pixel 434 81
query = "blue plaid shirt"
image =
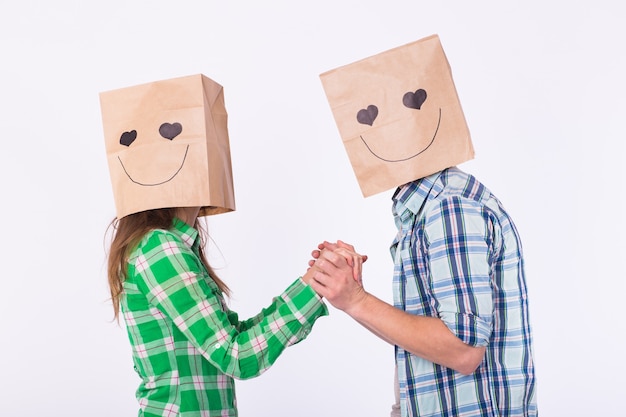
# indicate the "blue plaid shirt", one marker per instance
pixel 458 257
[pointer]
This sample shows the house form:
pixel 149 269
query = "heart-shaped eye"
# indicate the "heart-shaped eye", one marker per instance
pixel 367 116
pixel 128 137
pixel 170 131
pixel 414 100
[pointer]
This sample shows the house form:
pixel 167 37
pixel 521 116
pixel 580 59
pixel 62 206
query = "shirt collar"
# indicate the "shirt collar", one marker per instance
pixel 409 198
pixel 188 234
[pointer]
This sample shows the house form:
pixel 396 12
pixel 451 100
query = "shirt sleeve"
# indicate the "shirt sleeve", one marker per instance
pixel 295 287
pixel 173 279
pixel 457 241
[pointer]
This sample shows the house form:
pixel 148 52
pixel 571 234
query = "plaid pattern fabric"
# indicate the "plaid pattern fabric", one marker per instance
pixel 187 345
pixel 458 257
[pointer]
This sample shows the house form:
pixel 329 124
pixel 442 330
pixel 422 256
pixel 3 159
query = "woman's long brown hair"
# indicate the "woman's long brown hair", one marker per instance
pixel 128 231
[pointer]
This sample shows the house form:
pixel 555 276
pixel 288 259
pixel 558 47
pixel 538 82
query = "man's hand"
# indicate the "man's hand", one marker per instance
pixel 354 259
pixel 333 278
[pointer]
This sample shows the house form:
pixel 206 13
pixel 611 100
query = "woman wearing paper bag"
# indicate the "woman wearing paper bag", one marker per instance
pixel 169 160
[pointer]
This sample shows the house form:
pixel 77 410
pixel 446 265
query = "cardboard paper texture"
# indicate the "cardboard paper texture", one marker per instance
pixel 167 146
pixel 399 115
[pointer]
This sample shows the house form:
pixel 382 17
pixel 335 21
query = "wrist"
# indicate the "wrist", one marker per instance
pixel 306 278
pixel 358 305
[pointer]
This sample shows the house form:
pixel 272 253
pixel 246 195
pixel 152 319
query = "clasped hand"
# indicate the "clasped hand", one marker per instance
pixel 335 274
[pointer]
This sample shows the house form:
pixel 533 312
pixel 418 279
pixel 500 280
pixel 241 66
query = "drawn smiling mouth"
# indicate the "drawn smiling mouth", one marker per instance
pixel 409 157
pixel 156 183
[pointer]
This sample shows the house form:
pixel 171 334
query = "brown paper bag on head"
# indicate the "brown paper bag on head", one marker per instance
pixel 399 115
pixel 167 146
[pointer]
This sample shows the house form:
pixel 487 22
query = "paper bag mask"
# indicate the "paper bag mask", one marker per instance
pixel 167 146
pixel 398 115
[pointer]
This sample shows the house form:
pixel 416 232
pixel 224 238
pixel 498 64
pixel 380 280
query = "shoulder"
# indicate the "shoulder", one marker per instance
pixel 461 185
pixel 461 202
pixel 159 240
pixel 161 255
pixel 456 191
pixel 460 188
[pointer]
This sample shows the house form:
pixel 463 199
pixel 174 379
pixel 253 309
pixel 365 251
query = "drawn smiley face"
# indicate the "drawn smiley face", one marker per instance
pixel 413 100
pixel 152 169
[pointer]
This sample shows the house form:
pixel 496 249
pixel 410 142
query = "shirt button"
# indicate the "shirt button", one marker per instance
pixel 217 346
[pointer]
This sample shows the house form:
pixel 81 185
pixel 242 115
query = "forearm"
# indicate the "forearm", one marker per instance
pixel 427 337
pixel 289 319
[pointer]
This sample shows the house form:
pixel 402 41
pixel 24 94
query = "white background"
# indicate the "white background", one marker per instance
pixel 542 86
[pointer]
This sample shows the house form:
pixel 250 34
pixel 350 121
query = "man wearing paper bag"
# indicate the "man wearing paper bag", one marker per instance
pixel 169 158
pixel 460 320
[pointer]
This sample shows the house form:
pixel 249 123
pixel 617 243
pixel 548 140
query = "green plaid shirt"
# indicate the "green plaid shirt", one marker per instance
pixel 187 344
